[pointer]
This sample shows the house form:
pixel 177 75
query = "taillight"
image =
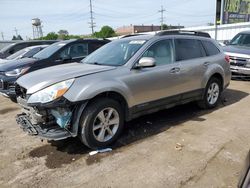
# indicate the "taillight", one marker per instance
pixel 227 58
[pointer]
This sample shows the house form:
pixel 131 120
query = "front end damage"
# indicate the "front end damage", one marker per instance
pixel 54 121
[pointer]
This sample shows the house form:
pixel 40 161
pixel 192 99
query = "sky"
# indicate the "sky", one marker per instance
pixel 73 15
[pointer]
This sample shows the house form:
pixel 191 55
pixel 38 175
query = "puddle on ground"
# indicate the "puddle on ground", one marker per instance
pixel 7 110
pixel 60 152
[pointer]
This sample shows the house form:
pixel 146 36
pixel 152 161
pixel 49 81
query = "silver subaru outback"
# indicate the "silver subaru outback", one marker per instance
pixel 120 81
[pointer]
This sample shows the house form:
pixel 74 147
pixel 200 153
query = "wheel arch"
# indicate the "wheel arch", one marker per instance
pixel 117 97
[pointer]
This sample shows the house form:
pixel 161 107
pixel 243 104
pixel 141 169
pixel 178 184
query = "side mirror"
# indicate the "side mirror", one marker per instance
pixel 226 42
pixel 146 62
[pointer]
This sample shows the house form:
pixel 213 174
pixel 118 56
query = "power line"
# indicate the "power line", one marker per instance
pixel 16 31
pixel 162 16
pixel 2 35
pixel 92 24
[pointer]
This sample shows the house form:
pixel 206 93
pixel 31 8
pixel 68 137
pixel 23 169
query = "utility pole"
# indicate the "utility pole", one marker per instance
pixel 16 31
pixel 162 16
pixel 92 24
pixel 2 35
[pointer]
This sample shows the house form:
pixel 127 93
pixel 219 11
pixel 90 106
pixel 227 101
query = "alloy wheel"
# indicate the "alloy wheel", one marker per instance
pixel 106 124
pixel 213 93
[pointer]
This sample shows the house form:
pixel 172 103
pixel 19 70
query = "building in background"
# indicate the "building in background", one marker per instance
pixel 132 29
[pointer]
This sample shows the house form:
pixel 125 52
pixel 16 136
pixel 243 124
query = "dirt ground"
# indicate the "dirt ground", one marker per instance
pixel 211 148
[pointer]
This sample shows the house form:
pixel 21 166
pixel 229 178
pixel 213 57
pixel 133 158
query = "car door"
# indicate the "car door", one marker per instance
pixel 155 86
pixel 192 59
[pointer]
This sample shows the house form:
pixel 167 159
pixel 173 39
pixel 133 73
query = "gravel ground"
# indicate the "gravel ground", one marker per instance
pixel 179 147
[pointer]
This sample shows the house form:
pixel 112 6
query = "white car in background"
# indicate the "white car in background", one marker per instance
pixel 26 52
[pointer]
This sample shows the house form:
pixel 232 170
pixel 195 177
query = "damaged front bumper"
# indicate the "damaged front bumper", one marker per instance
pixel 47 132
pixel 52 122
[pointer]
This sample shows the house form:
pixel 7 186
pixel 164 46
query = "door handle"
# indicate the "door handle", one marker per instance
pixel 206 64
pixel 175 70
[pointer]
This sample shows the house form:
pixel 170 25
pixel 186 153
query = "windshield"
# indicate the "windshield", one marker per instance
pixel 115 53
pixel 17 54
pixel 49 51
pixel 241 40
pixel 4 45
pixel 6 48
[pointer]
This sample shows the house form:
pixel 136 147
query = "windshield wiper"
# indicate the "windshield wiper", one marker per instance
pixel 94 63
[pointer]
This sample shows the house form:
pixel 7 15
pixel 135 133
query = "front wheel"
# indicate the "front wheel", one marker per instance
pixel 101 123
pixel 212 94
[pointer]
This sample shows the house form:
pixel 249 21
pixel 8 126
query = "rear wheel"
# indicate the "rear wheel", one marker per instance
pixel 212 94
pixel 101 123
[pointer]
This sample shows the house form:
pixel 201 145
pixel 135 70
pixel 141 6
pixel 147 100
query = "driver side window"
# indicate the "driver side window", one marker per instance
pixel 75 51
pixel 162 52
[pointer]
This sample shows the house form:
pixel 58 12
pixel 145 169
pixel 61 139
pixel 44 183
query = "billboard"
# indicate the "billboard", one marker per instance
pixel 235 11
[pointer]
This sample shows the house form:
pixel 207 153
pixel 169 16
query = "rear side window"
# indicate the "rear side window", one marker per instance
pixel 32 52
pixel 188 49
pixel 75 51
pixel 210 48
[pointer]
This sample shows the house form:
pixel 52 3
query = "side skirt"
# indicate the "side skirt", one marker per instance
pixel 165 103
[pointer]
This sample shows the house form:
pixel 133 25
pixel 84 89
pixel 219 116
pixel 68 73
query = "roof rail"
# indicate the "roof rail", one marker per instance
pixel 131 35
pixel 183 32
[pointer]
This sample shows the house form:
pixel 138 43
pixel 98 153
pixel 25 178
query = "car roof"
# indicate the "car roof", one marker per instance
pixel 245 32
pixel 37 46
pixel 82 39
pixel 171 35
pixel 138 37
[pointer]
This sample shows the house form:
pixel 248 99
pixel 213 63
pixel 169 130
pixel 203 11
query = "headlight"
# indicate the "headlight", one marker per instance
pixel 51 93
pixel 17 72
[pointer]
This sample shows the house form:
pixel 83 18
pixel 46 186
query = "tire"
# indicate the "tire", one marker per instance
pixel 212 94
pixel 13 99
pixel 96 129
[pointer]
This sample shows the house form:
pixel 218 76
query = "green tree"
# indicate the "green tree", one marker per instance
pixel 50 36
pixel 165 27
pixel 19 37
pixel 105 32
pixel 62 34
pixel 14 37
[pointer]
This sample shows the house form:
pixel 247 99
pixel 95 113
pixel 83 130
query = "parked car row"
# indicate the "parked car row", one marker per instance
pixel 118 82
pixel 26 52
pixel 58 53
pixel 16 46
pixel 238 50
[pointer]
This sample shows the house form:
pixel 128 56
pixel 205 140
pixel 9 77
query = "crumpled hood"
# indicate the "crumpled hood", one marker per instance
pixel 14 64
pixel 237 50
pixel 43 78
